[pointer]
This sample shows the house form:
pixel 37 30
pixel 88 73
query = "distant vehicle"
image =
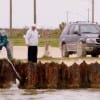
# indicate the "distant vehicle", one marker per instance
pixel 82 38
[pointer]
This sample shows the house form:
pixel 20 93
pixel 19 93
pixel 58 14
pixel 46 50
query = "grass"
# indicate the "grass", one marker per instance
pixel 18 41
pixel 54 42
pixel 50 36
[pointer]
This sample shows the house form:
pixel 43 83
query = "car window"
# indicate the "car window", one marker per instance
pixel 66 29
pixel 71 30
pixel 74 28
pixel 89 28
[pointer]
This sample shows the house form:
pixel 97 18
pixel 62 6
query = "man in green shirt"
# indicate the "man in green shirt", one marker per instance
pixel 4 42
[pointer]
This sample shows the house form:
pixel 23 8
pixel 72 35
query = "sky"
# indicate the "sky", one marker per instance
pixel 50 13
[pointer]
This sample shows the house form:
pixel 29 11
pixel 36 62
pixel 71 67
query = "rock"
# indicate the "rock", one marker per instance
pixel 63 76
pixel 94 75
pixel 7 76
pixel 74 76
pixel 50 75
pixel 84 75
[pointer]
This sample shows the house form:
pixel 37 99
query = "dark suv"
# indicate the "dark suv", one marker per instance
pixel 82 38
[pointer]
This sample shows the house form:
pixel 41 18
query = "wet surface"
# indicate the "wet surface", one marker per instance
pixel 49 94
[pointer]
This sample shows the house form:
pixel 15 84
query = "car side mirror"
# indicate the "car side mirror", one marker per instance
pixel 77 33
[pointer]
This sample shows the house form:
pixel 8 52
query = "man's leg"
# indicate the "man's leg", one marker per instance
pixel 35 53
pixel 0 48
pixel 9 51
pixel 32 54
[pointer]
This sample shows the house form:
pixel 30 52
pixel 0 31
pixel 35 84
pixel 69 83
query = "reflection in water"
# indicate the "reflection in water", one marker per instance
pixel 32 94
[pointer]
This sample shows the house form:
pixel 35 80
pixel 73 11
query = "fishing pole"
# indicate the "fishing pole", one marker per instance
pixel 15 71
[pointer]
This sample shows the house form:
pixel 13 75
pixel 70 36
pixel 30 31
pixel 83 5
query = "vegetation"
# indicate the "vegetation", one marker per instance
pixel 46 36
pixel 50 36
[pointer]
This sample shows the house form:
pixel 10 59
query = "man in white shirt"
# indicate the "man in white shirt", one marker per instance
pixel 31 39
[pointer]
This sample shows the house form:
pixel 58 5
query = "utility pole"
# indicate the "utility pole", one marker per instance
pixel 34 11
pixel 11 42
pixel 88 14
pixel 10 16
pixel 67 14
pixel 92 11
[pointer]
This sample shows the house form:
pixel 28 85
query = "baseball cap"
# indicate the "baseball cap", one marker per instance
pixel 33 25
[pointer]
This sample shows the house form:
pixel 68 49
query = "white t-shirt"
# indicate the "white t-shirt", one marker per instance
pixel 31 37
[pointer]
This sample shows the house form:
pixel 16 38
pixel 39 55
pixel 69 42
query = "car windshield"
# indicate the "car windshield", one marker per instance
pixel 89 29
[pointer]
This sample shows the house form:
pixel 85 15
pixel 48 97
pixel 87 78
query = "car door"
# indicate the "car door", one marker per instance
pixel 72 38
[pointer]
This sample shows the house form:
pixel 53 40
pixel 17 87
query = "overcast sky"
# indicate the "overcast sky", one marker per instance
pixel 50 13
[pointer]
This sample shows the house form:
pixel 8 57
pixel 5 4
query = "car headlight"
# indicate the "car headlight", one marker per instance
pixel 88 40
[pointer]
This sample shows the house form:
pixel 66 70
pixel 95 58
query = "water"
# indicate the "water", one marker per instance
pixel 51 94
pixel 14 93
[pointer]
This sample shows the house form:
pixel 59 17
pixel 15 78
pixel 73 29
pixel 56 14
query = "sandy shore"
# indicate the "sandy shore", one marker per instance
pixel 20 52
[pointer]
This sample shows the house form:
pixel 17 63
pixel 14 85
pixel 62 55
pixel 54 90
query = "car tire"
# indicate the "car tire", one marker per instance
pixel 64 51
pixel 81 50
pixel 94 55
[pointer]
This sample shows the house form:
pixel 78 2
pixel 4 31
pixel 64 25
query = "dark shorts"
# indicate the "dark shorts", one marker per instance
pixel 32 54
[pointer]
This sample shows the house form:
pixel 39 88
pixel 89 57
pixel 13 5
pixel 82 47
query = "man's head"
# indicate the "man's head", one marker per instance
pixel 33 27
pixel 3 32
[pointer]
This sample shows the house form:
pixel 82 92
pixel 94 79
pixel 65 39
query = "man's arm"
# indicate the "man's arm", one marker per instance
pixel 27 37
pixel 5 40
pixel 1 42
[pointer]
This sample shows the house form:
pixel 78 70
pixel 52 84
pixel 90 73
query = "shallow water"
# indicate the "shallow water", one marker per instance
pixel 49 94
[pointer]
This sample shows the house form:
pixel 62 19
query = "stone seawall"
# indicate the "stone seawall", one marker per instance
pixel 50 75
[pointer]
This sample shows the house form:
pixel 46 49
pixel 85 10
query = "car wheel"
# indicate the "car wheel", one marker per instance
pixel 94 55
pixel 81 50
pixel 64 51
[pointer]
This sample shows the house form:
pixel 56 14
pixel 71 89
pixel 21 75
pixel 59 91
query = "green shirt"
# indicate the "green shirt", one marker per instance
pixel 3 40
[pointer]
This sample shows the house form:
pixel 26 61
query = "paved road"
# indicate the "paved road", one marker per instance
pixel 20 52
